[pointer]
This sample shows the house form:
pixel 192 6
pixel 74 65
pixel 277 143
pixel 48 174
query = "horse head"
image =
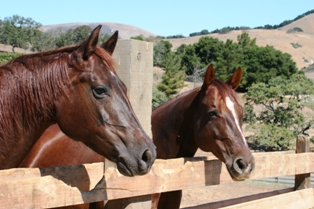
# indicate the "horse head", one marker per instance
pixel 96 111
pixel 219 127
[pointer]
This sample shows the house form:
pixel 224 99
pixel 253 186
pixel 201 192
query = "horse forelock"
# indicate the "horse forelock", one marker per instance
pixel 106 58
pixel 225 90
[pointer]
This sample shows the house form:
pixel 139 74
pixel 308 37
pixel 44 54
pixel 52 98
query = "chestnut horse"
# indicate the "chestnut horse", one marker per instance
pixel 208 117
pixel 77 88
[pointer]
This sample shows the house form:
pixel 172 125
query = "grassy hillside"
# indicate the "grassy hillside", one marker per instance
pixel 299 44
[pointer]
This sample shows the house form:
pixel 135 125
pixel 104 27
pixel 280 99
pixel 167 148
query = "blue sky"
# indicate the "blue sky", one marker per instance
pixel 161 17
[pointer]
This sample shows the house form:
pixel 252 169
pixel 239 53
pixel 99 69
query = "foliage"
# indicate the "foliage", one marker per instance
pixel 259 64
pixel 73 36
pixel 173 78
pixel 6 57
pixel 161 49
pixel 189 60
pixel 263 63
pixel 159 97
pixel 294 30
pixel 175 36
pixel 296 45
pixel 140 38
pixel 286 22
pixel 208 50
pixel 19 31
pixel 280 119
pixel 220 31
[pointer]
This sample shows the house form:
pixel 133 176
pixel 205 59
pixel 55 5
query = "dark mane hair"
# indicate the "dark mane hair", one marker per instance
pixel 31 83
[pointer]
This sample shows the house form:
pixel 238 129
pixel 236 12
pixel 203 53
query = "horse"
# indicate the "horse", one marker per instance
pixel 77 88
pixel 208 117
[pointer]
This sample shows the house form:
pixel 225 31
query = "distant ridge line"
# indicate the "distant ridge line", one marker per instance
pixel 125 31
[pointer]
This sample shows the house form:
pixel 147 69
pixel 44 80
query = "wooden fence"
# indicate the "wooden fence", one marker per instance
pixel 61 186
pixel 69 185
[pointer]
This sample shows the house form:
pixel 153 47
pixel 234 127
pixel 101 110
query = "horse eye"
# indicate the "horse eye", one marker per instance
pixel 99 92
pixel 212 114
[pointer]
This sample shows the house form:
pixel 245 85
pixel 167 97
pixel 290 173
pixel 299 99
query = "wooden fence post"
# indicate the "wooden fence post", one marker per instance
pixel 302 181
pixel 134 61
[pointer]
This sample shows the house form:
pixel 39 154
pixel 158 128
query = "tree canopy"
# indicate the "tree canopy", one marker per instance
pixel 277 112
pixel 19 31
pixel 259 64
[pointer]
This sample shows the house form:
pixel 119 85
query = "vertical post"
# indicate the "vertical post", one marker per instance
pixel 302 181
pixel 134 61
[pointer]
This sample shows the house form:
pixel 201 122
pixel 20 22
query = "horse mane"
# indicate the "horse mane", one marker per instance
pixel 31 83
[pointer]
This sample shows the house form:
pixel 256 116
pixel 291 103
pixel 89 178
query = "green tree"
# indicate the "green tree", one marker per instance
pixel 159 97
pixel 19 31
pixel 139 38
pixel 208 50
pixel 263 63
pixel 280 119
pixel 45 41
pixel 244 40
pixel 73 36
pixel 173 78
pixel 189 60
pixel 161 49
pixel 228 60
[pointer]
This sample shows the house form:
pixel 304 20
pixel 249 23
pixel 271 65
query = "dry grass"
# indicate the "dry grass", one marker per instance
pixel 279 39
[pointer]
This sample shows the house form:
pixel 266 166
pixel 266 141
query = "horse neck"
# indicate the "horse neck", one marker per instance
pixel 26 109
pixel 173 126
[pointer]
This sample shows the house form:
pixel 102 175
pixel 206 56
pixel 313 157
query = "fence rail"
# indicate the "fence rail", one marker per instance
pixel 69 185
pixel 284 179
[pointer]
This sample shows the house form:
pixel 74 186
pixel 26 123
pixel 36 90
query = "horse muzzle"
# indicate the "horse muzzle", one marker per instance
pixel 136 165
pixel 240 169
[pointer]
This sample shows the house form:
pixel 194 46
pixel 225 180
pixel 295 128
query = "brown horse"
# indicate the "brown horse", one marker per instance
pixel 77 88
pixel 208 117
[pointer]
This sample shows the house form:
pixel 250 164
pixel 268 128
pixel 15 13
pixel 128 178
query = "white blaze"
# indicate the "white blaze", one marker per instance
pixel 230 105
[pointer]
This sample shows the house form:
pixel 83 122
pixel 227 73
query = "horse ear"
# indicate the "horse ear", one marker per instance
pixel 209 76
pixel 88 46
pixel 235 79
pixel 110 44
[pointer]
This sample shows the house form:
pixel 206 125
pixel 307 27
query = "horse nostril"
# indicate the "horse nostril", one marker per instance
pixel 241 164
pixel 147 156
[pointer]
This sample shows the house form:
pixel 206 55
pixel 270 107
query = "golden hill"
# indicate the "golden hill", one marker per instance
pixel 279 39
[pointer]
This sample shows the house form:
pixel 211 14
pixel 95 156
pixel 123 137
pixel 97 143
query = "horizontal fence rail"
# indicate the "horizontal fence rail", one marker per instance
pixel 70 185
pixel 284 179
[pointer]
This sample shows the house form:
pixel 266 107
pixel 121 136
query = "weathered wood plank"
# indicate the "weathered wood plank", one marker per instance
pixel 60 186
pixel 302 181
pixel 299 199
pixel 230 202
pixel 40 190
pixel 273 165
